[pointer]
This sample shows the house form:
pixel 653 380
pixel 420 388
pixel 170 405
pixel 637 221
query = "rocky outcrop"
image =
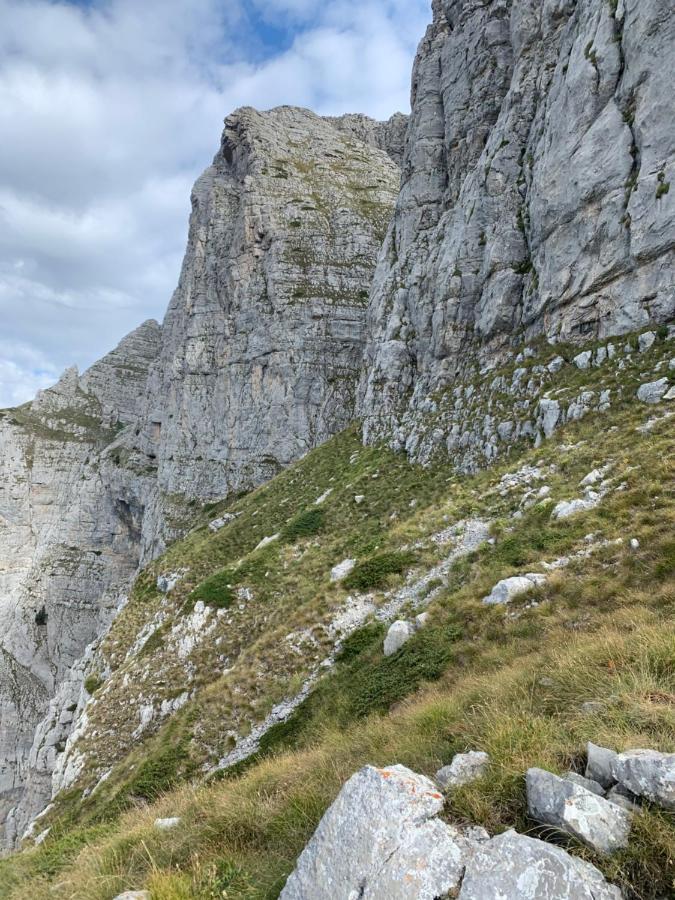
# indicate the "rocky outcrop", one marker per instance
pixel 535 197
pixel 256 363
pixel 382 838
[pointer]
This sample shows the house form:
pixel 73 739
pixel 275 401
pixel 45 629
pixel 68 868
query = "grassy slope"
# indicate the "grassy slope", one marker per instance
pixel 509 681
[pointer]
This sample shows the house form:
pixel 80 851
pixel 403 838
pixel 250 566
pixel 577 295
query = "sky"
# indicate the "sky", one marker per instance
pixel 110 109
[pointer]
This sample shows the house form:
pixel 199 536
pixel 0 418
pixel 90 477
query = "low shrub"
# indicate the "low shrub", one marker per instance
pixel 305 524
pixel 373 572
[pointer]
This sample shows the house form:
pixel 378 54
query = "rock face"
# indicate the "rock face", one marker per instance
pixel 256 363
pixel 70 531
pixel 533 199
pixel 264 336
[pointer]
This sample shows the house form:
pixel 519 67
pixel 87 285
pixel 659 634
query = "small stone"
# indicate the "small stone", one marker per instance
pixel 599 762
pixel 647 773
pixel 583 360
pixel 421 620
pixel 593 707
pixel 563 804
pixel 133 895
pixel 167 824
pixel 670 395
pixel 646 341
pixel 464 768
pixel 593 786
pixel 341 570
pixel 509 588
pixel 476 834
pixel 634 544
pixel 653 391
pixel 267 540
pixel 555 365
pixel 399 633
pixel 359 498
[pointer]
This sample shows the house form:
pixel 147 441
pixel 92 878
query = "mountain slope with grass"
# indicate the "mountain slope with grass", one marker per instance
pixel 282 685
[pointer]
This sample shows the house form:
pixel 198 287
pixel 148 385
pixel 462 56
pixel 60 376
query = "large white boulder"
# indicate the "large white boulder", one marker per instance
pixel 381 838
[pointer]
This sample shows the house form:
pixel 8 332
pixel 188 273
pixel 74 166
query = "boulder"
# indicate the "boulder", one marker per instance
pixel 398 634
pixel 554 801
pixel 514 867
pixel 583 360
pixel 464 768
pixel 509 588
pixel 599 762
pixel 381 838
pixel 653 391
pixel 647 773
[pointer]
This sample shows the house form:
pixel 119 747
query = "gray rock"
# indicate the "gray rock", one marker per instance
pixel 647 773
pixel 464 768
pixel 399 633
pixel 646 341
pixel 584 815
pixel 381 838
pixel 514 867
pixel 550 414
pixel 653 391
pixel 593 786
pixel 583 360
pixel 508 589
pixel 599 763
pixel 623 798
pixel 341 570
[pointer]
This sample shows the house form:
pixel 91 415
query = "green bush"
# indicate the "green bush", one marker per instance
pixel 373 572
pixel 424 658
pixel 216 591
pixel 157 774
pixel 306 524
pixel 92 683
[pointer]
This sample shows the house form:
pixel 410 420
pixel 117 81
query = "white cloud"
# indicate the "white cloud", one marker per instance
pixel 108 112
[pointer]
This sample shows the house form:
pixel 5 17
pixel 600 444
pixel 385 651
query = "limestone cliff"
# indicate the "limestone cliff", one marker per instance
pixel 535 198
pixel 256 362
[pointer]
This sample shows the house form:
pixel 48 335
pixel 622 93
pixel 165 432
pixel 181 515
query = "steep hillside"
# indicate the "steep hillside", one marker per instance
pixel 255 363
pixel 253 669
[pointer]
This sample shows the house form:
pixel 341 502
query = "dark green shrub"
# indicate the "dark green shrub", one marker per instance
pixel 92 683
pixel 373 572
pixel 216 591
pixel 305 524
pixel 360 641
pixel 424 658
